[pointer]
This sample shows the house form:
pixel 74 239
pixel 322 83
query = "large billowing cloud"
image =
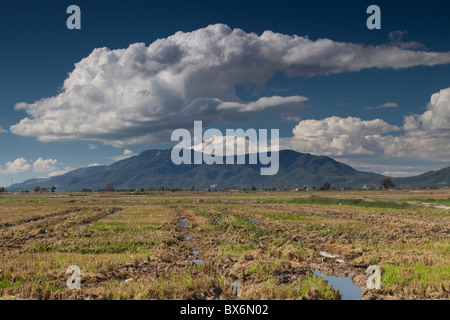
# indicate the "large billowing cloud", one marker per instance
pixel 436 119
pixel 424 136
pixel 339 136
pixel 427 134
pixel 141 94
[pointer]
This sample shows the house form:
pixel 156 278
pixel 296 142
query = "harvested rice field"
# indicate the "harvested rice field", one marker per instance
pixel 226 245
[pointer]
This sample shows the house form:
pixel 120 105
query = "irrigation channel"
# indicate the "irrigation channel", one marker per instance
pixel 348 290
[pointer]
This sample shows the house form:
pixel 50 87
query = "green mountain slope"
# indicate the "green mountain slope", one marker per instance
pixel 154 168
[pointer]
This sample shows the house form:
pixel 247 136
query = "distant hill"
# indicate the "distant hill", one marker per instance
pixel 439 178
pixel 154 168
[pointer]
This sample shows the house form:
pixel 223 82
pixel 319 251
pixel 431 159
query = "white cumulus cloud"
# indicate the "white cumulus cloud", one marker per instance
pixel 45 165
pixel 234 145
pixel 338 136
pixel 423 136
pixel 40 165
pixel 141 94
pixel 17 166
pixel 435 120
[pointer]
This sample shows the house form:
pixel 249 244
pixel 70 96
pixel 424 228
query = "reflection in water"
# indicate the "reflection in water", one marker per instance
pixel 107 216
pixel 255 221
pixel 183 223
pixel 85 225
pixel 331 256
pixel 345 285
pixel 328 255
pixel 235 286
pixel 114 213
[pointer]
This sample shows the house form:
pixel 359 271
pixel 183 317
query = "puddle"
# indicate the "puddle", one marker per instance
pixel 113 214
pixel 107 216
pixel 183 223
pixel 188 238
pixel 235 286
pixel 198 261
pixel 196 252
pixel 255 221
pixel 218 222
pixel 344 285
pixel 428 205
pixel 328 255
pixel 85 225
pixel 331 256
pixel 178 213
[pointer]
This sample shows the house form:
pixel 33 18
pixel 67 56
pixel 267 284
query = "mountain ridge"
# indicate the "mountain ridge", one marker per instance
pixel 154 168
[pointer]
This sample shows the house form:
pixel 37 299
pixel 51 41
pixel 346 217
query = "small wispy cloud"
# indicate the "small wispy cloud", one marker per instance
pixel 2 130
pixel 126 154
pixel 92 146
pixel 396 39
pixel 400 174
pixel 59 172
pixel 94 165
pixel 343 104
pixel 384 106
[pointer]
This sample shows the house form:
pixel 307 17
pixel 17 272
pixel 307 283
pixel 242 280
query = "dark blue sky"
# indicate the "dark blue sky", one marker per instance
pixel 38 51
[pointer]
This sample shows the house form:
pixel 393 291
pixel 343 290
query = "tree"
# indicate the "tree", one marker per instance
pixel 52 189
pixel 109 187
pixel 387 184
pixel 274 185
pixel 2 189
pixel 37 189
pixel 326 186
pixel 253 188
pixel 288 185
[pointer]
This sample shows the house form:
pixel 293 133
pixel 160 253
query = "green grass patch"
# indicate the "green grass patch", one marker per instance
pixel 315 200
pixel 403 275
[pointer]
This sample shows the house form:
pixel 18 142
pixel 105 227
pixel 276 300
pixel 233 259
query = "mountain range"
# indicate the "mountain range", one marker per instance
pixel 154 168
